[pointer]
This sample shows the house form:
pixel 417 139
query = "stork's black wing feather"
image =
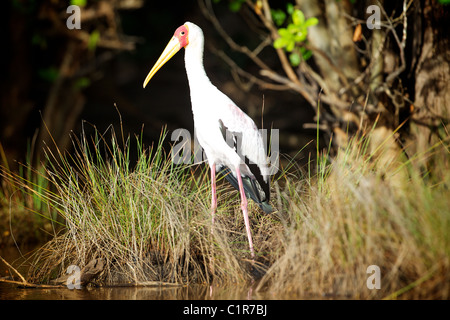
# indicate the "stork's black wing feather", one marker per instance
pixel 251 188
pixel 255 187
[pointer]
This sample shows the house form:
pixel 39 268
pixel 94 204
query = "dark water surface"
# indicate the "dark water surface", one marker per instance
pixel 192 292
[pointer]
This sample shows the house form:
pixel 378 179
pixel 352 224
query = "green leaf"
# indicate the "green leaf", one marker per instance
pixel 300 36
pixel 278 16
pixel 295 33
pixel 313 21
pixel 49 74
pixel 80 3
pixel 284 33
pixel 306 54
pixel 235 5
pixel 295 59
pixel 93 40
pixel 38 39
pixel 298 18
pixel 82 82
pixel 290 8
pixel 292 28
pixel 279 43
pixel 290 46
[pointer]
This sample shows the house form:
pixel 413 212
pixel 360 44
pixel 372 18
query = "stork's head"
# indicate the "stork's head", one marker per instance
pixel 186 34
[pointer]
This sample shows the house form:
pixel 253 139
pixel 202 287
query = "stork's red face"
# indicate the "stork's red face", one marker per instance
pixel 182 35
pixel 179 40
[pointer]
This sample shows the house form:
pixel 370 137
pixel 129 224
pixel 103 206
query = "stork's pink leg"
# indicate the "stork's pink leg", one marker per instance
pixel 213 195
pixel 244 211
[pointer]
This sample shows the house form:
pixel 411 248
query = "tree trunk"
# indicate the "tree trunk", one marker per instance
pixel 431 109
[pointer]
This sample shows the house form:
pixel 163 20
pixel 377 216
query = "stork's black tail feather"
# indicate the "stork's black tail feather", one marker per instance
pixel 250 187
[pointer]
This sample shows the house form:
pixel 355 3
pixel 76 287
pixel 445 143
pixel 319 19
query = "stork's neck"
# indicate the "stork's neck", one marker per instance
pixel 195 70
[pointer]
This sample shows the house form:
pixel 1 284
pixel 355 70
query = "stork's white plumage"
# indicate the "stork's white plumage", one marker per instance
pixel 215 117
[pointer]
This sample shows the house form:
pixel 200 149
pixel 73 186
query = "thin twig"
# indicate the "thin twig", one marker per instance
pixel 23 282
pixel 249 76
pixel 268 22
pixel 401 44
pixel 253 55
pixel 15 271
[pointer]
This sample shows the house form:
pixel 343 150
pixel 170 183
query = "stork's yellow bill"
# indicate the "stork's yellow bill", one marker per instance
pixel 178 41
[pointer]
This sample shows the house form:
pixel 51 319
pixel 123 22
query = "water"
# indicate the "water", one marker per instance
pixel 190 292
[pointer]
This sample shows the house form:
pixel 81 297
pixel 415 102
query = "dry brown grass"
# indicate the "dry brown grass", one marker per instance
pixel 357 214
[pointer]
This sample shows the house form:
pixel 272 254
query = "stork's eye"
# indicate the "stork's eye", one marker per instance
pixel 182 33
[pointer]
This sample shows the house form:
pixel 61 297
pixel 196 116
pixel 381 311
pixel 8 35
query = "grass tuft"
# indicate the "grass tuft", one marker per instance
pixel 149 220
pixel 358 211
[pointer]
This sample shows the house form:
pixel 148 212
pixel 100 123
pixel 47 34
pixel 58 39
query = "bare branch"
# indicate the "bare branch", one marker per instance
pixel 401 44
pixel 292 82
pixel 268 22
pixel 288 82
pixel 236 69
pixel 13 269
pixel 209 12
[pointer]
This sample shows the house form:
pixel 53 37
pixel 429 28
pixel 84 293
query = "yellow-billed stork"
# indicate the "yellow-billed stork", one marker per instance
pixel 215 116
